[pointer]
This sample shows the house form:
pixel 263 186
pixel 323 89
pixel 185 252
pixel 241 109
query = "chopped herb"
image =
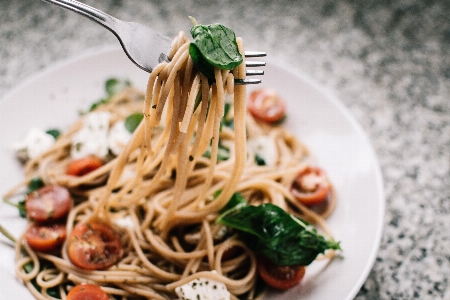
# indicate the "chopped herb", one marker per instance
pixel 55 133
pixel 259 160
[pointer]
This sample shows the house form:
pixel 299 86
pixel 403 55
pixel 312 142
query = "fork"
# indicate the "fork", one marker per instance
pixel 143 45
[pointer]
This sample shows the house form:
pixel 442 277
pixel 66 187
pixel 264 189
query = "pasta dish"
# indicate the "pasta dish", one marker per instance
pixel 189 189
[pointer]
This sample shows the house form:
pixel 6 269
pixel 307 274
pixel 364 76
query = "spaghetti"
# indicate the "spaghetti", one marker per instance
pixel 161 192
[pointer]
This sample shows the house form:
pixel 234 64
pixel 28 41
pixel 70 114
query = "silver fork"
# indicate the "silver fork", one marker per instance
pixel 143 45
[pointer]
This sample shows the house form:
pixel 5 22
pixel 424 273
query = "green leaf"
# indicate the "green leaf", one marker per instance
pixel 53 291
pixel 259 160
pixel 35 184
pixel 28 267
pixel 237 201
pixel 112 87
pixel 133 121
pixel 55 133
pixel 214 46
pixel 227 121
pixel 22 209
pixel 223 153
pixel 269 230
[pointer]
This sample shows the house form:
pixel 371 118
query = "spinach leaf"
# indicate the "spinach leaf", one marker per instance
pixel 269 230
pixel 133 121
pixel 214 46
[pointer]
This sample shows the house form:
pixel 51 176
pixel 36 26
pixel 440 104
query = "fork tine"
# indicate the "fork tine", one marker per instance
pixel 254 72
pixel 254 63
pixel 247 81
pixel 255 54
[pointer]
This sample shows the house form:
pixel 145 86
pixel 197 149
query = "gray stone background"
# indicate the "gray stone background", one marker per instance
pixel 388 61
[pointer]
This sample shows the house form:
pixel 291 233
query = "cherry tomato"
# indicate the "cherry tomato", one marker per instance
pixel 82 166
pixel 45 238
pixel 94 245
pixel 87 291
pixel 265 105
pixel 279 277
pixel 311 186
pixel 49 203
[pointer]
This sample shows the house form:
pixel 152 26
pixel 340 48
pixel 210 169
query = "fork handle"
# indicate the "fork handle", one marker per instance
pixel 87 11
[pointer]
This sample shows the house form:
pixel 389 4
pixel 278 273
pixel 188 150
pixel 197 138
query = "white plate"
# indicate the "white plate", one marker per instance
pixel 54 97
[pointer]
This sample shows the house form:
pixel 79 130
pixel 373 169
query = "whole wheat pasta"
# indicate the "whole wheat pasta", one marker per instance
pixel 164 186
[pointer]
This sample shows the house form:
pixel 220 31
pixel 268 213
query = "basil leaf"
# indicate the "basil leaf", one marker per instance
pixel 214 46
pixel 133 121
pixel 259 160
pixel 284 239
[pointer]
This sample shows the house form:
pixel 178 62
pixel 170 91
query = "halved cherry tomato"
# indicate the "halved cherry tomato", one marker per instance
pixel 86 291
pixel 311 186
pixel 45 238
pixel 49 203
pixel 279 277
pixel 94 245
pixel 266 105
pixel 82 166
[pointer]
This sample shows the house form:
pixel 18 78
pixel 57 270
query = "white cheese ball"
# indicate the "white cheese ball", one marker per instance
pixel 35 143
pixel 92 138
pixel 203 289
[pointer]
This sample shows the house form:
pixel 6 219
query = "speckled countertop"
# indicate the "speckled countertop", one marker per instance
pixel 388 61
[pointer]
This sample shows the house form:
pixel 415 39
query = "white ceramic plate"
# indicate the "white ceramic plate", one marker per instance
pixel 53 98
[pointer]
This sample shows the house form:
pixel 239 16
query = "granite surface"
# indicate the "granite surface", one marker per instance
pixel 388 61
